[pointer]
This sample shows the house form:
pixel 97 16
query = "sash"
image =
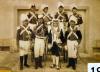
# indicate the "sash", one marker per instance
pixel 46 15
pixel 33 15
pixel 25 29
pixel 72 32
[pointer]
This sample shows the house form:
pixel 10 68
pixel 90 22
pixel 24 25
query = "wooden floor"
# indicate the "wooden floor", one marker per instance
pixel 11 60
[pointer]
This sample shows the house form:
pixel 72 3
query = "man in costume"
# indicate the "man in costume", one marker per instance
pixel 73 40
pixel 24 37
pixel 39 46
pixel 55 49
pixel 32 16
pixel 78 19
pixel 62 16
pixel 48 21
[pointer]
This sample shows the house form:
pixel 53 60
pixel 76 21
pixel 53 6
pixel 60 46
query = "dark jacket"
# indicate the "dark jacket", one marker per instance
pixel 24 36
pixel 55 49
pixel 72 37
pixel 62 16
pixel 34 18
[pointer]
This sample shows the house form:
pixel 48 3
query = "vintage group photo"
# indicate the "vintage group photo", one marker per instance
pixel 49 35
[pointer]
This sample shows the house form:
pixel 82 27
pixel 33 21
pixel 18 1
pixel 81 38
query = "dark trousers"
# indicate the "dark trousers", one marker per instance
pixel 72 62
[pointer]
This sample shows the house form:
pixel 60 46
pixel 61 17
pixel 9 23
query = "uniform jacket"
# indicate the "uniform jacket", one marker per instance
pixel 61 16
pixel 79 19
pixel 72 36
pixel 32 18
pixel 23 35
pixel 41 30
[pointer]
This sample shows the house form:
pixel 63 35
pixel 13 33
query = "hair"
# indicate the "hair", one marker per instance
pixel 32 6
pixel 45 8
pixel 61 7
pixel 74 8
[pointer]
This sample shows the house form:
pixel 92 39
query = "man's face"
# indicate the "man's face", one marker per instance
pixel 25 23
pixel 61 9
pixel 74 11
pixel 72 23
pixel 45 9
pixel 40 20
pixel 55 24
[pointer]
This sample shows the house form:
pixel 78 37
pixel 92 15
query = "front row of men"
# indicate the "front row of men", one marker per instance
pixel 47 31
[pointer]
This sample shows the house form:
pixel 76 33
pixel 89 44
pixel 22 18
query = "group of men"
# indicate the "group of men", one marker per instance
pixel 44 31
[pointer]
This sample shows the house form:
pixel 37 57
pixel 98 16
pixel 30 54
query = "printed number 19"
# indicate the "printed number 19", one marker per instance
pixel 98 69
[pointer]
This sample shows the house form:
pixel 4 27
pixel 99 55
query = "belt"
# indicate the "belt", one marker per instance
pixel 24 40
pixel 72 39
pixel 39 37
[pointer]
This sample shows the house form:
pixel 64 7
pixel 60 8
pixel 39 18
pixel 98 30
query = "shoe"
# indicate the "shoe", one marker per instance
pixel 74 67
pixel 68 66
pixel 36 63
pixel 52 66
pixel 26 65
pixel 25 61
pixel 40 62
pixel 57 67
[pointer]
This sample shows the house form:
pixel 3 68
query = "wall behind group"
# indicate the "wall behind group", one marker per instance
pixel 8 18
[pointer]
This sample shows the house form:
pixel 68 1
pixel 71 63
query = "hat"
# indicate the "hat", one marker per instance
pixel 73 6
pixel 60 4
pixel 34 6
pixel 23 17
pixel 44 6
pixel 40 16
pixel 73 18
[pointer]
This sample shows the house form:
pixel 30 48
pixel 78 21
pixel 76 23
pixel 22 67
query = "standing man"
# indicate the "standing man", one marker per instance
pixel 55 49
pixel 39 46
pixel 24 36
pixel 76 16
pixel 78 19
pixel 33 16
pixel 73 40
pixel 46 15
pixel 47 20
pixel 62 16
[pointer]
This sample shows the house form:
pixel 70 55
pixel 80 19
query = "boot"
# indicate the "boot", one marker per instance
pixel 40 62
pixel 52 66
pixel 69 63
pixel 21 62
pixel 57 67
pixel 25 61
pixel 74 64
pixel 36 62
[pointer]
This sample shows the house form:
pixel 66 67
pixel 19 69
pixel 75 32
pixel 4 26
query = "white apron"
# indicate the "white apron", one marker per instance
pixel 24 47
pixel 72 48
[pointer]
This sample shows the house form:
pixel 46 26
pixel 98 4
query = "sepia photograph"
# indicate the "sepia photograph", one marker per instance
pixel 49 36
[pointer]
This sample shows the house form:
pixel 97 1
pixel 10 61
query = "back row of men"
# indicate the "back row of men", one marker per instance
pixel 48 32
